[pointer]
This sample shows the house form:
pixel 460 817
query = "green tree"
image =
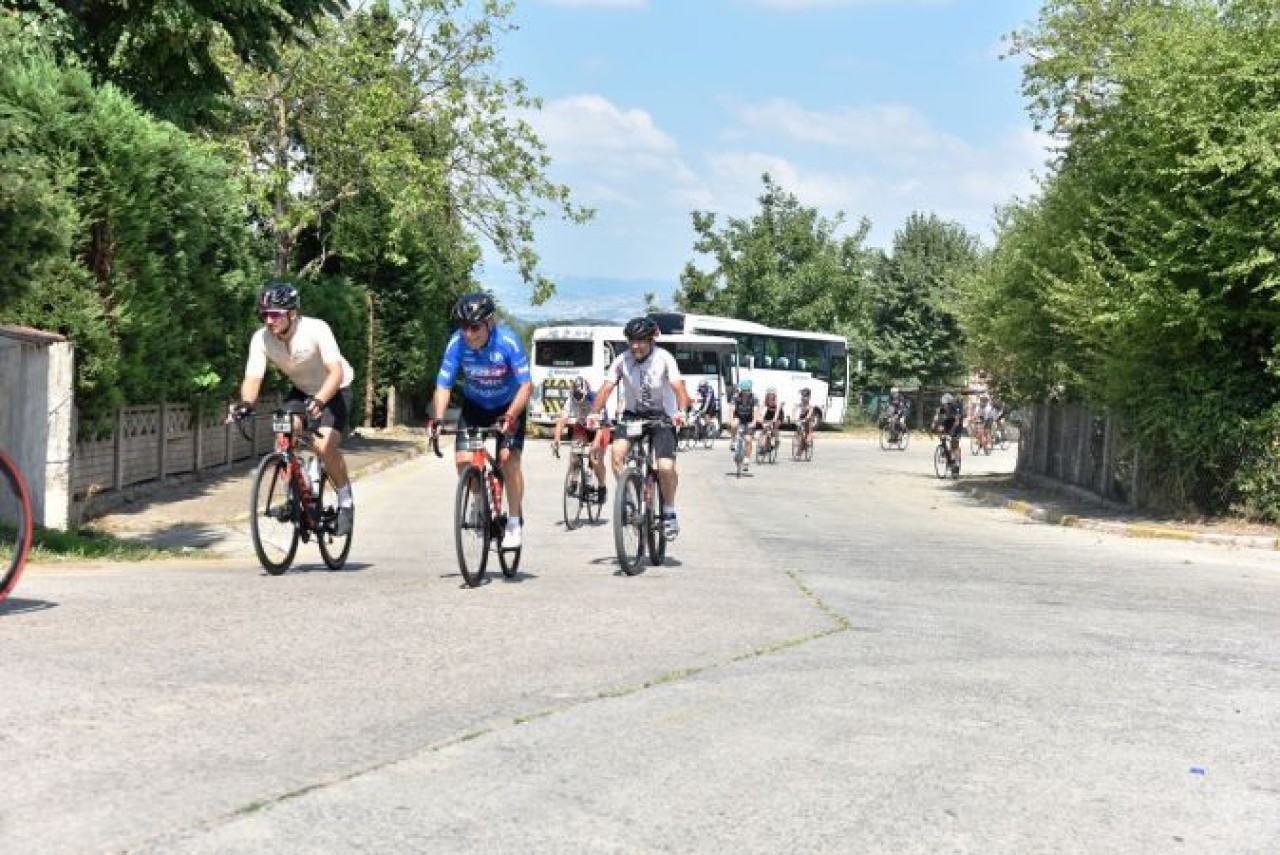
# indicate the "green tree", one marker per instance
pixel 164 53
pixel 1152 253
pixel 916 333
pixel 785 266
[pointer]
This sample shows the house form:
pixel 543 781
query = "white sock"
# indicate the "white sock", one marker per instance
pixel 668 510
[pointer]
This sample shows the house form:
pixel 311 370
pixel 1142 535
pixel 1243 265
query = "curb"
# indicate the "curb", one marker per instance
pixel 1136 530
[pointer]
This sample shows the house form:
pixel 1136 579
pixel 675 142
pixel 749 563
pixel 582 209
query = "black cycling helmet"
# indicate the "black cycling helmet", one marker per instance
pixel 638 328
pixel 473 308
pixel 278 295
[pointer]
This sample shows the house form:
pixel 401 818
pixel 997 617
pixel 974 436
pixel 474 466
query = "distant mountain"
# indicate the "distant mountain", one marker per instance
pixel 582 300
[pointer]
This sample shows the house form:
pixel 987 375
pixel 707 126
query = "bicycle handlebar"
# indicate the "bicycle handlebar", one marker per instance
pixel 454 431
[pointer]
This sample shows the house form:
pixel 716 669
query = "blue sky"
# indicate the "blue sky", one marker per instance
pixel 656 108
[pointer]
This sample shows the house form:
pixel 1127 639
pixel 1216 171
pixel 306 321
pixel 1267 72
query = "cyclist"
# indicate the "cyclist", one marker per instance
pixel 305 350
pixel 706 408
pixel 578 409
pixel 650 380
pixel 746 412
pixel 496 386
pixel 770 422
pixel 949 421
pixel 899 410
pixel 984 423
pixel 807 415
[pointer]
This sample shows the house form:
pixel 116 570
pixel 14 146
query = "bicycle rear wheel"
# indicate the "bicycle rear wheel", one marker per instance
pixel 273 509
pixel 655 529
pixel 628 522
pixel 472 526
pixel 334 549
pixel 574 496
pixel 15 525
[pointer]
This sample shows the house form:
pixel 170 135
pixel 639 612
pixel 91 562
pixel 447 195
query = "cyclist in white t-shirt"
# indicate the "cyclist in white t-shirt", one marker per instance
pixel 652 387
pixel 306 351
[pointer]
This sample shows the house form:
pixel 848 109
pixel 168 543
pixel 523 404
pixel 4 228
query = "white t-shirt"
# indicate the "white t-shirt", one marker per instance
pixel 646 386
pixel 303 358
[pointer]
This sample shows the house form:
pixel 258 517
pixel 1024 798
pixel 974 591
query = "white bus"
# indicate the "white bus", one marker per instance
pixel 787 360
pixel 561 353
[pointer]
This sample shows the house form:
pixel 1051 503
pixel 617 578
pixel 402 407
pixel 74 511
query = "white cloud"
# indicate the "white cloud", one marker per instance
pixel 600 4
pixel 805 5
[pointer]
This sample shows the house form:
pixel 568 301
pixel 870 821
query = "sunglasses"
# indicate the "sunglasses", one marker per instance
pixel 273 314
pixel 474 326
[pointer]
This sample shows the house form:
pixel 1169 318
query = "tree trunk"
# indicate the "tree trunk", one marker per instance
pixel 368 369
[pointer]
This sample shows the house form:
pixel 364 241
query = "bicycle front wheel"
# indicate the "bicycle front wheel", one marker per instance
pixel 334 548
pixel 574 495
pixel 593 505
pixel 808 449
pixel 940 465
pixel 655 529
pixel 797 445
pixel 886 439
pixel 273 509
pixel 628 522
pixel 15 525
pixel 472 528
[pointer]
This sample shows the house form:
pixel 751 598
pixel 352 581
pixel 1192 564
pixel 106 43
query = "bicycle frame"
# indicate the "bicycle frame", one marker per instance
pixel 285 424
pixel 483 465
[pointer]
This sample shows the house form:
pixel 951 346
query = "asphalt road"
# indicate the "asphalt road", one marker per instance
pixel 841 656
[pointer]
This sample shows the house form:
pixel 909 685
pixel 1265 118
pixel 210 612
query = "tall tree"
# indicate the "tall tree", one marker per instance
pixel 785 266
pixel 163 53
pixel 916 334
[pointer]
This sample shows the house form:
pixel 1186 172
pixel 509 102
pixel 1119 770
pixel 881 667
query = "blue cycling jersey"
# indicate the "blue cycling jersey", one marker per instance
pixel 490 375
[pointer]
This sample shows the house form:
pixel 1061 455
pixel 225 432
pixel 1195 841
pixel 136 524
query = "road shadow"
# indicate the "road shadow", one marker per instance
pixel 21 606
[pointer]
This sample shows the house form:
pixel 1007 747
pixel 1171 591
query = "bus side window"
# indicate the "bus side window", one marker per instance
pixel 783 363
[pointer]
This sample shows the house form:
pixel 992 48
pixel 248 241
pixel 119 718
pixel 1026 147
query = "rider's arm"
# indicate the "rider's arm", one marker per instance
pixel 682 393
pixel 440 402
pixel 602 397
pixel 249 389
pixel 332 383
pixel 518 403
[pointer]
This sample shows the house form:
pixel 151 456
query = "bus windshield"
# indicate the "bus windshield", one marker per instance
pixel 562 353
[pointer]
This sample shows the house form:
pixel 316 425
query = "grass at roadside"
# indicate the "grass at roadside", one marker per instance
pixel 50 547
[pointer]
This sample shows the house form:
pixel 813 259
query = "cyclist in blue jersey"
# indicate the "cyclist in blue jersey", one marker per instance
pixel 496 387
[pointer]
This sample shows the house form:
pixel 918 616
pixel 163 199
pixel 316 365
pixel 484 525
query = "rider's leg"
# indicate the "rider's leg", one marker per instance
pixel 329 446
pixel 620 448
pixel 513 476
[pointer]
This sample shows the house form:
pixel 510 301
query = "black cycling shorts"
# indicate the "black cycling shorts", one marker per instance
pixel 474 415
pixel 336 414
pixel 663 437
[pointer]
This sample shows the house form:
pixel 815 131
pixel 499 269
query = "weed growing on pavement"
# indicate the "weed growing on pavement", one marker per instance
pixel 51 546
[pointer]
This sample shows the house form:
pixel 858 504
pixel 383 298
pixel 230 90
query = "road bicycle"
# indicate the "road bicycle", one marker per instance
pixel 802 443
pixel 637 507
pixel 767 447
pixel 894 435
pixel 1000 437
pixel 943 465
pixel 708 428
pixel 292 498
pixel 980 440
pixel 479 522
pixel 739 448
pixel 581 490
pixel 15 524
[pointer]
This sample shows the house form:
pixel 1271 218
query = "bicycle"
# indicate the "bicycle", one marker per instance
pixel 801 444
pixel 478 519
pixel 287 502
pixel 767 448
pixel 739 448
pixel 708 430
pixel 15 524
pixel 637 517
pixel 894 435
pixel 581 492
pixel 1000 437
pixel 943 464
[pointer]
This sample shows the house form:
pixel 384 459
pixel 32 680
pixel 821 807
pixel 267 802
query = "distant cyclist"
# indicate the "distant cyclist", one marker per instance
pixel 706 407
pixel 745 414
pixel 652 388
pixel 306 351
pixel 596 440
pixel 808 415
pixel 770 423
pixel 496 386
pixel 949 421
